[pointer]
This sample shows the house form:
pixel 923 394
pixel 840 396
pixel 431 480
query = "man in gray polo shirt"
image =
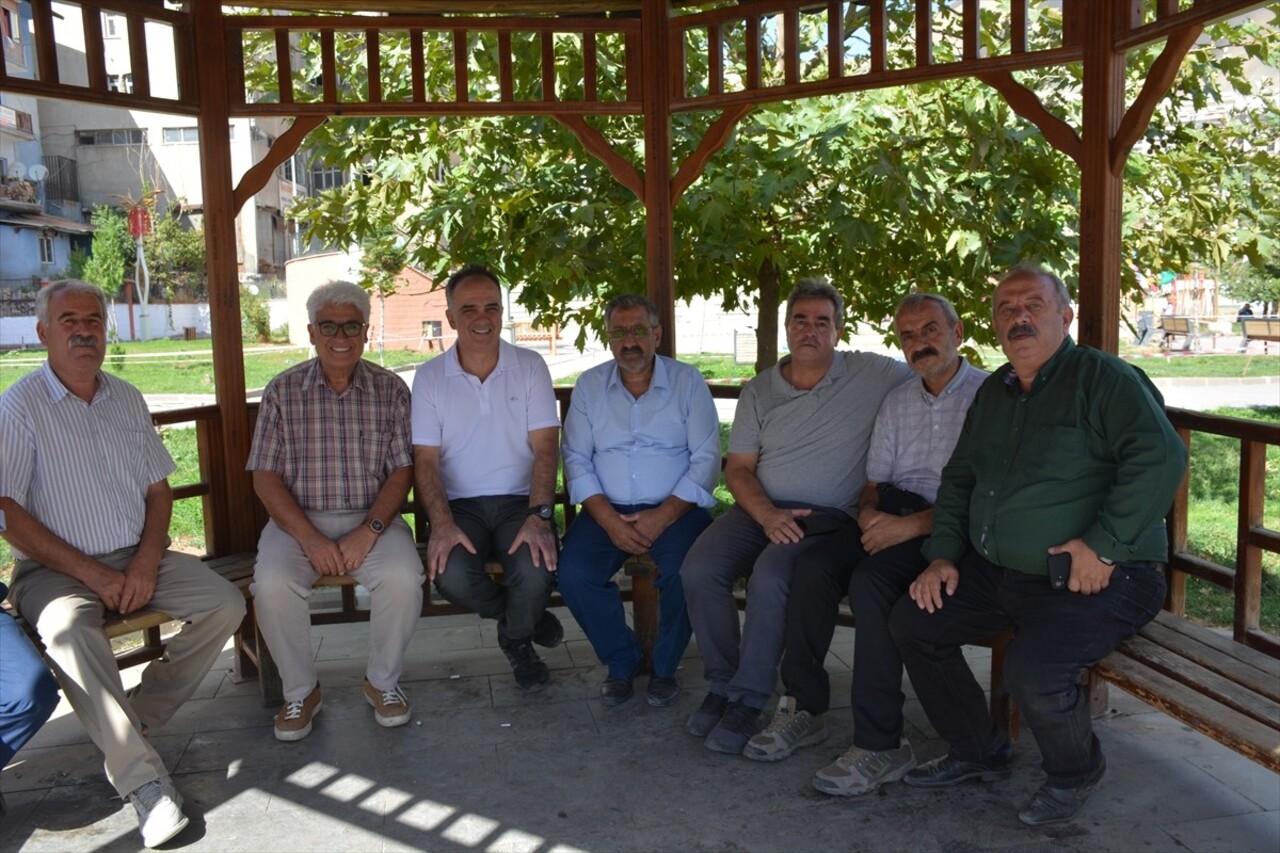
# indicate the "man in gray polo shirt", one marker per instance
pixel 797 463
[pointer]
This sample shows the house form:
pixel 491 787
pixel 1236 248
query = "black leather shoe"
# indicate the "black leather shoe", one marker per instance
pixel 531 673
pixel 703 720
pixel 1054 805
pixel 615 691
pixel 548 633
pixel 946 771
pixel 662 691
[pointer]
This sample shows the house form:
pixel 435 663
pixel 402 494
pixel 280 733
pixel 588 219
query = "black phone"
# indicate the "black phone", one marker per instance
pixel 1059 570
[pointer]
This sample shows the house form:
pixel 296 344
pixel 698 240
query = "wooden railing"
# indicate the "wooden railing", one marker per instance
pixel 1252 540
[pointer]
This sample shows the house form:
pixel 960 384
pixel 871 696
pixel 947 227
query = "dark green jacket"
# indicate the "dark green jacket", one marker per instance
pixel 1087 452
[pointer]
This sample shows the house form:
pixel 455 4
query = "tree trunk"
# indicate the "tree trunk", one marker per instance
pixel 768 288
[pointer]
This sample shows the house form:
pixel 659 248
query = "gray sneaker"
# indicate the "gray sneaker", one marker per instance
pixel 861 771
pixel 788 731
pixel 160 816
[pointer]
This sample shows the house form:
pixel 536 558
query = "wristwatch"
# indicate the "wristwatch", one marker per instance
pixel 543 511
pixel 377 526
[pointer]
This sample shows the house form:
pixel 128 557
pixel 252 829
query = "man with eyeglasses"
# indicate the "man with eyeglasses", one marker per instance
pixel 797 463
pixel 332 463
pixel 485 449
pixel 89 522
pixel 641 454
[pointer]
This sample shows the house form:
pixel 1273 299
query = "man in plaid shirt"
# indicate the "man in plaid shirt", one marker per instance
pixel 332 463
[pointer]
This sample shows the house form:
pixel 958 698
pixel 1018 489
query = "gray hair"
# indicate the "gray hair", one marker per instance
pixel 1026 269
pixel 631 300
pixel 816 288
pixel 72 286
pixel 338 293
pixel 916 300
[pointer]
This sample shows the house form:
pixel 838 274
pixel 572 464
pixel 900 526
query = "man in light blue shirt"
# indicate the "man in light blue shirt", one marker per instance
pixel 641 454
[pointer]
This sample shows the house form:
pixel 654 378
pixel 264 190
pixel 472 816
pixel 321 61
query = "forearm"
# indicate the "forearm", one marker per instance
pixel 429 489
pixel 26 534
pixel 749 493
pixel 282 506
pixel 599 508
pixel 390 498
pixel 869 497
pixel 155 527
pixel 673 507
pixel 546 456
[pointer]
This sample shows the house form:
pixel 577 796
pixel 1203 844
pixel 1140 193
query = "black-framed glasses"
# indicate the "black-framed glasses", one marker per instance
pixel 351 329
pixel 622 332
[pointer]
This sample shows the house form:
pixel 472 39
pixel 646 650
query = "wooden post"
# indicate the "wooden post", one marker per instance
pixel 655 74
pixel 1101 186
pixel 235 528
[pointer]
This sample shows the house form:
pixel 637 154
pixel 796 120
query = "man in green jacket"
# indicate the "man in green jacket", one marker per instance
pixel 1066 458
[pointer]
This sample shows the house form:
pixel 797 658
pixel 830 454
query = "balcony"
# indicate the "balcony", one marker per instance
pixel 19 195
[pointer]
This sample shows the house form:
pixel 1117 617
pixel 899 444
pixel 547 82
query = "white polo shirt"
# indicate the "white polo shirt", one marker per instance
pixel 482 428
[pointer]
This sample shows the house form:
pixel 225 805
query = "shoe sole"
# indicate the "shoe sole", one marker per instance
pixel 298 734
pixel 173 833
pixel 769 757
pixel 615 701
pixel 976 776
pixel 661 702
pixel 836 791
pixel 386 721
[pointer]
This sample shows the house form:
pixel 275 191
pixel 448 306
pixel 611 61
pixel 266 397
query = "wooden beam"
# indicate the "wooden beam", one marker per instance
pixel 589 67
pixel 876 35
pixel 139 66
pixel 712 141
pixel 373 58
pixel 237 528
pixel 46 45
pixel 506 82
pixel 1248 589
pixel 598 146
pixel 548 65
pixel 1101 187
pixel 286 145
pixel 1026 103
pixel 328 67
pixel 924 33
pixel 417 66
pixel 715 59
pixel 460 72
pixel 94 58
pixel 1161 76
pixel 971 28
pixel 789 43
pixel 835 38
pixel 1203 12
pixel 656 34
pixel 1018 26
pixel 284 68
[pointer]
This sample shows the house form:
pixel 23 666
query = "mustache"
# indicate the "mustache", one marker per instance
pixel 1022 330
pixel 82 341
pixel 924 353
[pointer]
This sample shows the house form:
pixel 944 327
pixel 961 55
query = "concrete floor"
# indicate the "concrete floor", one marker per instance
pixel 482 767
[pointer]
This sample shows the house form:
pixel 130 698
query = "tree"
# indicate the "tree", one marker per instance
pixel 384 259
pixel 1245 283
pixel 111 250
pixel 175 255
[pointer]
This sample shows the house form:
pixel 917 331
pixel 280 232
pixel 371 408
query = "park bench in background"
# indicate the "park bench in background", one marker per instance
pixel 1184 327
pixel 1265 329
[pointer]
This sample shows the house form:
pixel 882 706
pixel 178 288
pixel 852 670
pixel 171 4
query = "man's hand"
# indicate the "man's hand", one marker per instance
pixel 882 530
pixel 624 534
pixel 940 576
pixel 440 544
pixel 139 585
pixel 1089 575
pixel 650 523
pixel 324 554
pixel 538 535
pixel 355 546
pixel 781 527
pixel 108 584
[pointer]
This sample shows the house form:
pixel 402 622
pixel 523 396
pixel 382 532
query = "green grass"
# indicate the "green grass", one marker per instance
pixel 186 367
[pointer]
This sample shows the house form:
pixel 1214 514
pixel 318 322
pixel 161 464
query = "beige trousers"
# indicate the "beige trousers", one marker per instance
pixel 283 579
pixel 69 618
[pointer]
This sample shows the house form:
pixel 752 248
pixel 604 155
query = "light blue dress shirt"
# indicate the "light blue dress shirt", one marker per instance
pixel 642 451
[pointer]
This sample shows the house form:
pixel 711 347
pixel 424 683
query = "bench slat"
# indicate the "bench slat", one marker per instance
pixel 1243 734
pixel 1221 644
pixel 1190 648
pixel 1203 680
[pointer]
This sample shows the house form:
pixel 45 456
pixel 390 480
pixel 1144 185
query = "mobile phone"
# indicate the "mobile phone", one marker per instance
pixel 1059 570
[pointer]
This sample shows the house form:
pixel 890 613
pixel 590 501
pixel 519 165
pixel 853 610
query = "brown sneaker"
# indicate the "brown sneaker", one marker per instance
pixel 390 707
pixel 293 722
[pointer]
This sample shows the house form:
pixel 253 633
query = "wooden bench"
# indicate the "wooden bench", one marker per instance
pixel 1265 329
pixel 525 333
pixel 1210 682
pixel 1184 327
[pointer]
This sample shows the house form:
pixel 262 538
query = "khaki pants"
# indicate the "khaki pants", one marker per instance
pixel 283 579
pixel 69 618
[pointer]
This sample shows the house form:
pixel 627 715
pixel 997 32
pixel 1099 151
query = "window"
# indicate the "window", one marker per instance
pixel 119 136
pixel 46 250
pixel 113 26
pixel 178 135
pixel 326 177
pixel 431 328
pixel 120 83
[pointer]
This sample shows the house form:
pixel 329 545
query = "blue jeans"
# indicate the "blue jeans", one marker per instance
pixel 588 562
pixel 28 691
pixel 1058 635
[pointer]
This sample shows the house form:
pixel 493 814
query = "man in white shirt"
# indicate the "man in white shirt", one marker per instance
pixel 79 455
pixel 485 450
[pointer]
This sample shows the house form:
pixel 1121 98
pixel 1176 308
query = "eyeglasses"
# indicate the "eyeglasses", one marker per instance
pixel 351 329
pixel 637 332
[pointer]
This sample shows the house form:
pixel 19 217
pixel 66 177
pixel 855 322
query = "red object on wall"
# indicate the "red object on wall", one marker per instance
pixel 139 222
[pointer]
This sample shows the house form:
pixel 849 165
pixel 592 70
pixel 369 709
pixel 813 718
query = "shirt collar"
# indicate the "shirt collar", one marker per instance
pixel 659 379
pixel 58 391
pixel 952 384
pixel 1046 371
pixel 782 388
pixel 453 365
pixel 315 376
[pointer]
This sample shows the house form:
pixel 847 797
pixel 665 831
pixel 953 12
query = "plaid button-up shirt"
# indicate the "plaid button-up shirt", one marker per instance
pixel 333 451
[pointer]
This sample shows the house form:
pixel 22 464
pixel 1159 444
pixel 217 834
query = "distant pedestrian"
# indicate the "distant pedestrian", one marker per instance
pixel 1245 311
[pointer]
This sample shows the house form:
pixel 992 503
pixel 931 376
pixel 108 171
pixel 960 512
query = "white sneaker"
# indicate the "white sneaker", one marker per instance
pixel 860 771
pixel 160 816
pixel 788 731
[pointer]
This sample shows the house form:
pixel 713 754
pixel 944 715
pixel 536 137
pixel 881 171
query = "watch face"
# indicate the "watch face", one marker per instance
pixel 376 525
pixel 542 511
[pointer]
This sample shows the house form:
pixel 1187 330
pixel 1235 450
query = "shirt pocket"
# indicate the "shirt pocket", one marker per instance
pixel 375 445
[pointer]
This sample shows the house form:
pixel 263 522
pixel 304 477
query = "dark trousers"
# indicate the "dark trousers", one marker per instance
pixel 874 584
pixel 1058 635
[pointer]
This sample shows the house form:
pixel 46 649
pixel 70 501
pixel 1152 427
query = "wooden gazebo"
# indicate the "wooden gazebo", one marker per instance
pixel 209 42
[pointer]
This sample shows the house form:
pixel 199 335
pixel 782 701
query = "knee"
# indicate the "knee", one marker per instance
pixel 34 692
pixel 904 622
pixel 1037 684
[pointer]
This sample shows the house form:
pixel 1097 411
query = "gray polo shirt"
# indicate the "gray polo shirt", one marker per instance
pixel 811 446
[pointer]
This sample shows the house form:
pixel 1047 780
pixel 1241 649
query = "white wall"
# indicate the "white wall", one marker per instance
pixel 162 321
